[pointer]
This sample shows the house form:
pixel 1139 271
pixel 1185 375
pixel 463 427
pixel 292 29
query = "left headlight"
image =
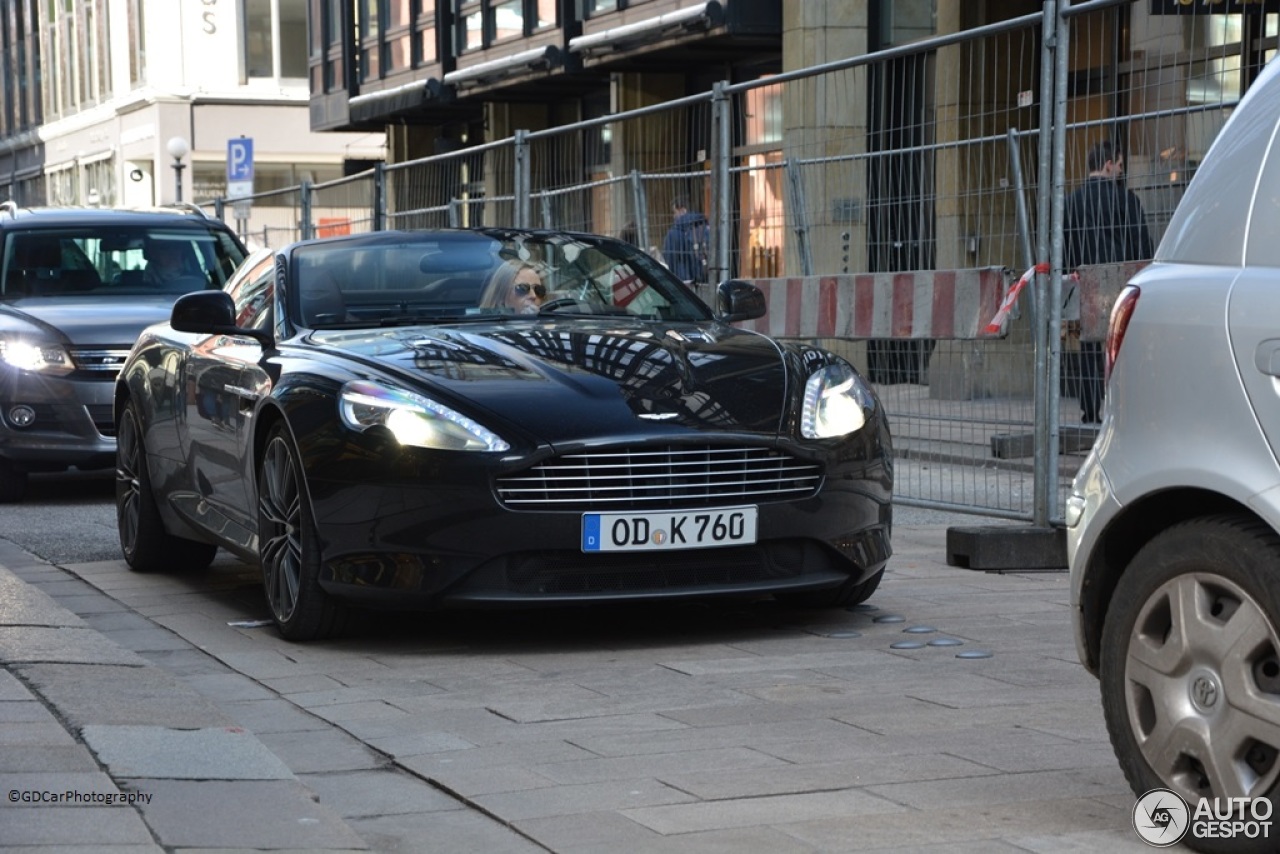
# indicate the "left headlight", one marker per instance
pixel 39 356
pixel 413 419
pixel 836 403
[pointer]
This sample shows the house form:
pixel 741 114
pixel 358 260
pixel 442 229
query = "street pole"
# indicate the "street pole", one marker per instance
pixel 178 149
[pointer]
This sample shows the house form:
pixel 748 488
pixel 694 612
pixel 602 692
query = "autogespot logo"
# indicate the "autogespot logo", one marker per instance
pixel 1161 818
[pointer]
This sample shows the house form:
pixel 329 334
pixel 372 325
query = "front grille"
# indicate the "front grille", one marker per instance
pixel 660 477
pixel 99 361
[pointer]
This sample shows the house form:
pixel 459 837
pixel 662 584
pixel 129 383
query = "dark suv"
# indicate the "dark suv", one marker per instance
pixel 77 285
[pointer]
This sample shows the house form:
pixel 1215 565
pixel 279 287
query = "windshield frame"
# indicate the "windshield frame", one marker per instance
pixel 448 276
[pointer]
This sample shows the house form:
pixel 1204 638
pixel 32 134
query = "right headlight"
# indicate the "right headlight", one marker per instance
pixel 39 356
pixel 836 403
pixel 413 419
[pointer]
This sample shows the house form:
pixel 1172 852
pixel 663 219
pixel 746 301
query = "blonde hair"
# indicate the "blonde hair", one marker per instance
pixel 502 281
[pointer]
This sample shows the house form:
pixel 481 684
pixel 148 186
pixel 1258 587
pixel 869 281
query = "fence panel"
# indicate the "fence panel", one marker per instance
pixel 881 191
pixel 345 206
pixel 267 219
pixel 466 188
pixel 1157 80
pixel 636 166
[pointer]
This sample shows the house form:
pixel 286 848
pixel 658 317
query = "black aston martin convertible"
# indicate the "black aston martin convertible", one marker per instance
pixel 430 418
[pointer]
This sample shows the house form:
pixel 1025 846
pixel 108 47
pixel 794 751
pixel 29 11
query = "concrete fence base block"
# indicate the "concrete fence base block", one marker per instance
pixel 1071 440
pixel 998 548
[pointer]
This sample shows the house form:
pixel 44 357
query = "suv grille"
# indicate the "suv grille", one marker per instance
pixel 659 478
pixel 99 361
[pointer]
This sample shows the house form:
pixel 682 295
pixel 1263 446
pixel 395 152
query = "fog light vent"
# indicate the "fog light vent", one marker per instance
pixel 22 416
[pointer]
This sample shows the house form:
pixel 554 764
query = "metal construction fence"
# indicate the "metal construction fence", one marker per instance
pixel 887 204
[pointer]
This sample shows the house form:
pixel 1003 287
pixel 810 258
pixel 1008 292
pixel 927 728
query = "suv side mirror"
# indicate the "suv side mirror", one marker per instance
pixel 739 300
pixel 212 313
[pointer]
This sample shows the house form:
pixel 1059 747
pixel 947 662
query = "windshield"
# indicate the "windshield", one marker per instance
pixel 110 261
pixel 446 277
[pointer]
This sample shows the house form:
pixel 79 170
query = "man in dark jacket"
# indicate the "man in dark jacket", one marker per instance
pixel 1104 224
pixel 684 249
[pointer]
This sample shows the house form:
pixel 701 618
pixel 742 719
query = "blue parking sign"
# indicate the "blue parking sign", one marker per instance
pixel 240 159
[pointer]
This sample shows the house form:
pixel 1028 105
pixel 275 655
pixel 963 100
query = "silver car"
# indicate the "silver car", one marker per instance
pixel 76 288
pixel 1174 520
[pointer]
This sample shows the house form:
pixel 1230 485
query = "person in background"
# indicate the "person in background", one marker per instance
pixel 1104 223
pixel 684 249
pixel 515 286
pixel 164 263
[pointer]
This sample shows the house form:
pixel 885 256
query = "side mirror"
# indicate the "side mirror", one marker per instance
pixel 739 300
pixel 211 313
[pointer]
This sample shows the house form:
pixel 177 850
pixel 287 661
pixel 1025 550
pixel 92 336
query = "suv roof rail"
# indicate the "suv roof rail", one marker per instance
pixel 10 207
pixel 189 208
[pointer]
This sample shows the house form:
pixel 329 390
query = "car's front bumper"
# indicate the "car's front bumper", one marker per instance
pixel 453 541
pixel 73 421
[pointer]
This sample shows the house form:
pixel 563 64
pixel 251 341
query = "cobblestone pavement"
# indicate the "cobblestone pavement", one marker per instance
pixel 745 727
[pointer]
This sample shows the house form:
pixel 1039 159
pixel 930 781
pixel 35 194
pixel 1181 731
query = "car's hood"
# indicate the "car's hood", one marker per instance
pixel 85 322
pixel 567 379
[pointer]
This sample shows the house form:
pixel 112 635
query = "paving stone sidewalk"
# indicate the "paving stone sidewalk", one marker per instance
pixel 140 721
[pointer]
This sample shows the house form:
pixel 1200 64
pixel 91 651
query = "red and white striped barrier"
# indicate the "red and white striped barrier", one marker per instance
pixel 1099 285
pixel 946 304
pixel 1089 291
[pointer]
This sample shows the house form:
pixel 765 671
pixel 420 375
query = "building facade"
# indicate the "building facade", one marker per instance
pixel 95 91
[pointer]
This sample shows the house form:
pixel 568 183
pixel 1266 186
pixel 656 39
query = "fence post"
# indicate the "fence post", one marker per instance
pixel 455 216
pixel 548 219
pixel 721 182
pixel 1057 193
pixel 640 204
pixel 799 216
pixel 1041 466
pixel 523 181
pixel 305 228
pixel 379 197
pixel 1020 189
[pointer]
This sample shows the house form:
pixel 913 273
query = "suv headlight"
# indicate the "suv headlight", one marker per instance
pixel 413 419
pixel 39 356
pixel 836 403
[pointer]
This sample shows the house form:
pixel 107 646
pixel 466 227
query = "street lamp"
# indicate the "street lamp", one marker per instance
pixel 178 149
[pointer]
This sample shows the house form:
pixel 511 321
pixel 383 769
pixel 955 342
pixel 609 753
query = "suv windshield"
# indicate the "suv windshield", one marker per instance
pixel 109 261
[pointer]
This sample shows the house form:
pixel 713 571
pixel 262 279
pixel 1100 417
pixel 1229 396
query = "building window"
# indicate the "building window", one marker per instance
pixel 275 39
pixel 21 38
pixel 137 54
pixel 482 23
pixel 100 182
pixel 599 7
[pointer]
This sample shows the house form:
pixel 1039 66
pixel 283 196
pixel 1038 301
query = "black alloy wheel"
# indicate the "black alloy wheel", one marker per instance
pixel 146 545
pixel 289 548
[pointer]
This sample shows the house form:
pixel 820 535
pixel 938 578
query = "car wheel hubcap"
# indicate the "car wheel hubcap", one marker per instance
pixel 1198 692
pixel 128 488
pixel 280 510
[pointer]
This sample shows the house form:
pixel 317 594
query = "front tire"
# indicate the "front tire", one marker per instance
pixel 289 548
pixel 1190 665
pixel 146 545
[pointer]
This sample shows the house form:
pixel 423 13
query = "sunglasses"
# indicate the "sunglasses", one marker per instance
pixel 522 289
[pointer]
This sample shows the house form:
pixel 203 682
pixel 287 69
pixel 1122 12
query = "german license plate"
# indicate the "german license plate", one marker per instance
pixel 678 529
